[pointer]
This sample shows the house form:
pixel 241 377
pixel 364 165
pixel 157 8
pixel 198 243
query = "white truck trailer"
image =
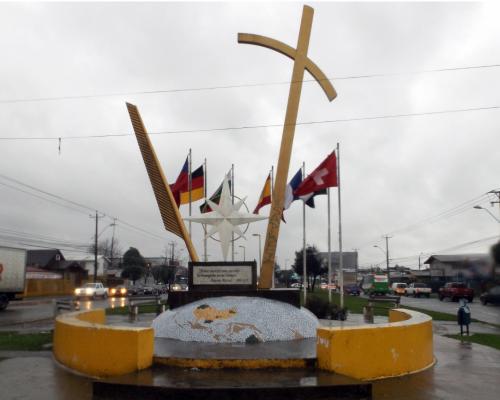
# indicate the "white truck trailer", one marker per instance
pixel 12 274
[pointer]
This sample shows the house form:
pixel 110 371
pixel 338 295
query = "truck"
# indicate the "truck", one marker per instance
pixel 455 291
pixel 375 284
pixel 92 290
pixel 418 290
pixel 12 274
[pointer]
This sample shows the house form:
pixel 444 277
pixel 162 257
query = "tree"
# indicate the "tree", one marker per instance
pixel 163 273
pixel 107 248
pixel 134 264
pixel 495 253
pixel 314 265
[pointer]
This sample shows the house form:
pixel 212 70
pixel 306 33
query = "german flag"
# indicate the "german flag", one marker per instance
pixel 265 196
pixel 197 187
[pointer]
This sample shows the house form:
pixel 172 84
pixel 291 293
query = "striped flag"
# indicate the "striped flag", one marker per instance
pixel 197 187
pixel 265 196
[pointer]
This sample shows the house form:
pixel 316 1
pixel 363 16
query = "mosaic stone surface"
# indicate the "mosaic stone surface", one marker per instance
pixel 234 319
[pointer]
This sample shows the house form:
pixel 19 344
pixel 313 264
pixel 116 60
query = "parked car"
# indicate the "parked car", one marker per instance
pixel 418 290
pixel 135 290
pixel 455 291
pixel 91 290
pixel 352 289
pixel 398 288
pixel 492 296
pixel 160 289
pixel 119 291
pixel 296 285
pixel 148 290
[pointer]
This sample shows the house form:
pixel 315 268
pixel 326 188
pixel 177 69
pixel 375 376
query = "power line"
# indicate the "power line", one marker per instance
pixel 123 223
pixel 445 214
pixel 261 126
pixel 238 86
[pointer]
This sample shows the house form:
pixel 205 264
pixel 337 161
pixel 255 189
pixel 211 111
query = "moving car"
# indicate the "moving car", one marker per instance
pixel 455 291
pixel 118 291
pixel 492 296
pixel 91 290
pixel 418 290
pixel 398 288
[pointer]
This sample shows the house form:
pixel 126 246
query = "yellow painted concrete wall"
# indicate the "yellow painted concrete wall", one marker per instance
pixel 83 343
pixel 48 287
pixel 402 346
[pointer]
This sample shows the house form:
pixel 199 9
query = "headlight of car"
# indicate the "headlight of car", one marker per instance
pixel 77 291
pixel 123 290
pixel 176 287
pixel 113 291
pixel 88 291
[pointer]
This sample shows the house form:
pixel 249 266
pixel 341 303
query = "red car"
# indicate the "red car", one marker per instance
pixel 455 291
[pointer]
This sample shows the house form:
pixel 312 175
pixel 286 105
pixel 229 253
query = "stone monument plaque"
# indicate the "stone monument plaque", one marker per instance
pixel 205 276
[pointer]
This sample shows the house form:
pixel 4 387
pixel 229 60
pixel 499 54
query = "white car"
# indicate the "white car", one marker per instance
pixel 418 289
pixel 92 290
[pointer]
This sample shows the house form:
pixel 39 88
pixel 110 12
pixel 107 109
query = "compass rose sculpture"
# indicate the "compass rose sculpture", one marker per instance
pixel 226 218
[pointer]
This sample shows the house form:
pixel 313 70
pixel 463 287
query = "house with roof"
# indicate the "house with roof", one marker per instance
pixel 51 264
pixel 471 268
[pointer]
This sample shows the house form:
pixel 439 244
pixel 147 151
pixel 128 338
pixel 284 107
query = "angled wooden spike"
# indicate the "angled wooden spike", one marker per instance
pixel 300 63
pixel 166 203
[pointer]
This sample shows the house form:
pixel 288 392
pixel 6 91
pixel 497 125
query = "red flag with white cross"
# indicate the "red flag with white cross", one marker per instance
pixel 324 176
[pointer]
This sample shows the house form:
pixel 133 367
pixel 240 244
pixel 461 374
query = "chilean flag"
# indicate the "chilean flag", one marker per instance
pixel 181 184
pixel 324 176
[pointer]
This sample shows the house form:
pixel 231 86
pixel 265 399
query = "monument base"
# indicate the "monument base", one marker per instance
pixel 290 296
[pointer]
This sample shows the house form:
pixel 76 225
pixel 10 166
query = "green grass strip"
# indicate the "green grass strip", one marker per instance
pixel 485 339
pixel 24 342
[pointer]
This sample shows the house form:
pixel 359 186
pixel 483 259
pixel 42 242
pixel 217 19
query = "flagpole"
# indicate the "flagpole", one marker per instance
pixel 204 225
pixel 232 199
pixel 304 257
pixel 272 186
pixel 189 188
pixel 341 258
pixel 329 250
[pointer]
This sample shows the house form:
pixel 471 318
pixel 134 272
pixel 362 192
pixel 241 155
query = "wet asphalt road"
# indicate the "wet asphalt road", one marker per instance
pixel 32 311
pixel 489 313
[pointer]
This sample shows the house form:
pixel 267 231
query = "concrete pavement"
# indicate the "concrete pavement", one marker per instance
pixel 463 371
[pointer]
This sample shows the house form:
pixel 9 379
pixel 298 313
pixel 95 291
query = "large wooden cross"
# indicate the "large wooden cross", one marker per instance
pixel 301 63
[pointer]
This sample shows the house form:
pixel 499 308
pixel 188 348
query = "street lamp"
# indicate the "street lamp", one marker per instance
pixel 244 252
pixel 488 211
pixel 260 249
pixel 386 253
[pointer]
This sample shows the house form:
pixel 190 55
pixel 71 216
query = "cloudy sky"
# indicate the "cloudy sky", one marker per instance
pixel 401 176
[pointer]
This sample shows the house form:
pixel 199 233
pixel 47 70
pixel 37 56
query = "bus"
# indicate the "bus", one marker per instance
pixel 375 285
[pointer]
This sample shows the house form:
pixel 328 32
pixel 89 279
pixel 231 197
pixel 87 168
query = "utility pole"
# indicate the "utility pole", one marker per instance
pixel 112 242
pixel 97 216
pixel 387 257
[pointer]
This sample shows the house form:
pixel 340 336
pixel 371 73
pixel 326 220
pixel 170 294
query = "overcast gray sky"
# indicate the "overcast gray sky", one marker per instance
pixel 395 172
